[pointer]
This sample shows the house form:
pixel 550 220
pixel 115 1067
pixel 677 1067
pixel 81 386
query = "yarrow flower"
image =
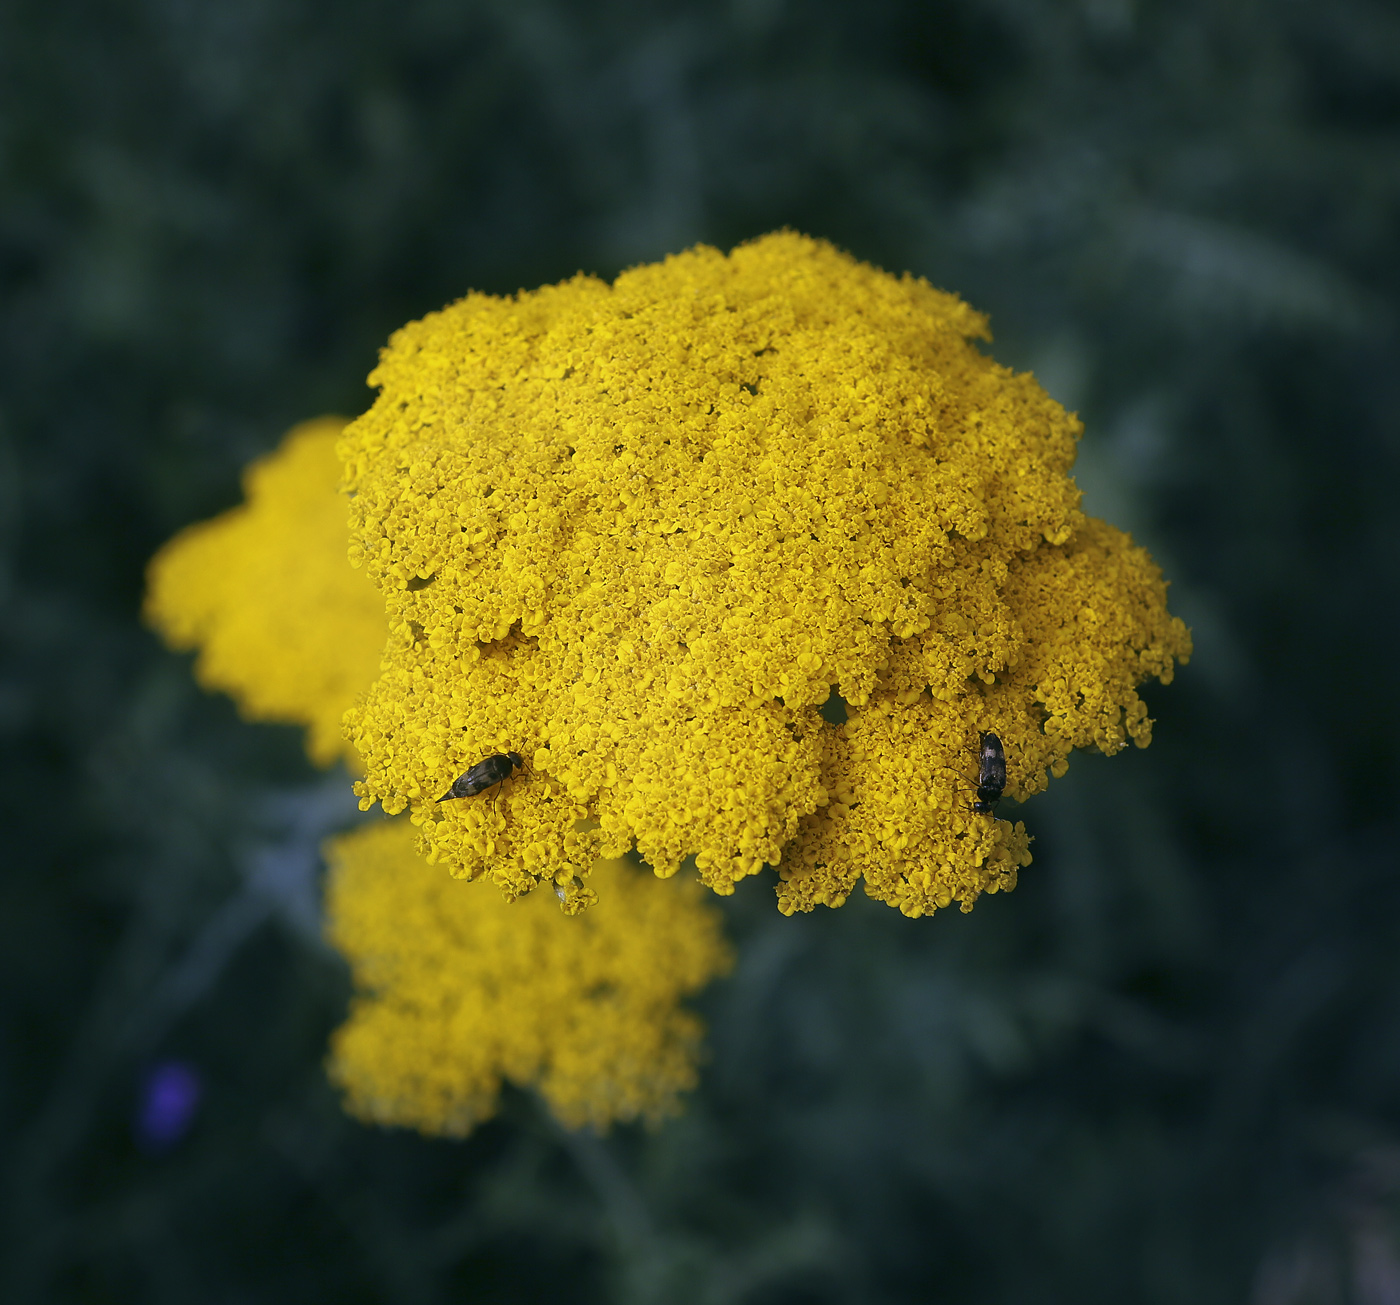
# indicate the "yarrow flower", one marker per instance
pixel 642 532
pixel 458 990
pixel 462 989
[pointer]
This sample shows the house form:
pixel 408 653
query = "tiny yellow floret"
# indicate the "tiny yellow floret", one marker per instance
pixel 460 990
pixel 283 623
pixel 640 533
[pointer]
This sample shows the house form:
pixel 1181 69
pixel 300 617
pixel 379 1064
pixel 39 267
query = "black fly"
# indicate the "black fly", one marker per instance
pixel 991 774
pixel 483 775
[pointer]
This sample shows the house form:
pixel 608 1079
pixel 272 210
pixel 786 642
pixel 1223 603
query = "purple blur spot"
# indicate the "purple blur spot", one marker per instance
pixel 169 1098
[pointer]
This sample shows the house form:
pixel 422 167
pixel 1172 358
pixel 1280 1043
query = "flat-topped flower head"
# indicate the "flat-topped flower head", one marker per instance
pixel 283 623
pixel 640 533
pixel 461 990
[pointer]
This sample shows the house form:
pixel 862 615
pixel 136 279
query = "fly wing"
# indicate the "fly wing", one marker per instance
pixel 991 764
pixel 479 778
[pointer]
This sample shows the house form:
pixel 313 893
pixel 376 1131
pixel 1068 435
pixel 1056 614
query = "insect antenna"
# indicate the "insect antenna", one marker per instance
pixel 966 784
pixel 956 774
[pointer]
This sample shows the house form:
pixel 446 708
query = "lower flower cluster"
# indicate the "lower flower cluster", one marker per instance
pixel 461 990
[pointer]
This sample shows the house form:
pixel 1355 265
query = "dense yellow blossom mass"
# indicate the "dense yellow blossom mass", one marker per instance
pixel 640 533
pixel 461 989
pixel 283 623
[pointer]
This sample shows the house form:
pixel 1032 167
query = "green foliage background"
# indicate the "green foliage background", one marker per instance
pixel 1167 1069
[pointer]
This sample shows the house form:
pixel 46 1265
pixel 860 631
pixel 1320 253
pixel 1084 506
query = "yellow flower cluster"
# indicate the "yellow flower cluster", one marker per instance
pixel 463 989
pixel 640 532
pixel 282 623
